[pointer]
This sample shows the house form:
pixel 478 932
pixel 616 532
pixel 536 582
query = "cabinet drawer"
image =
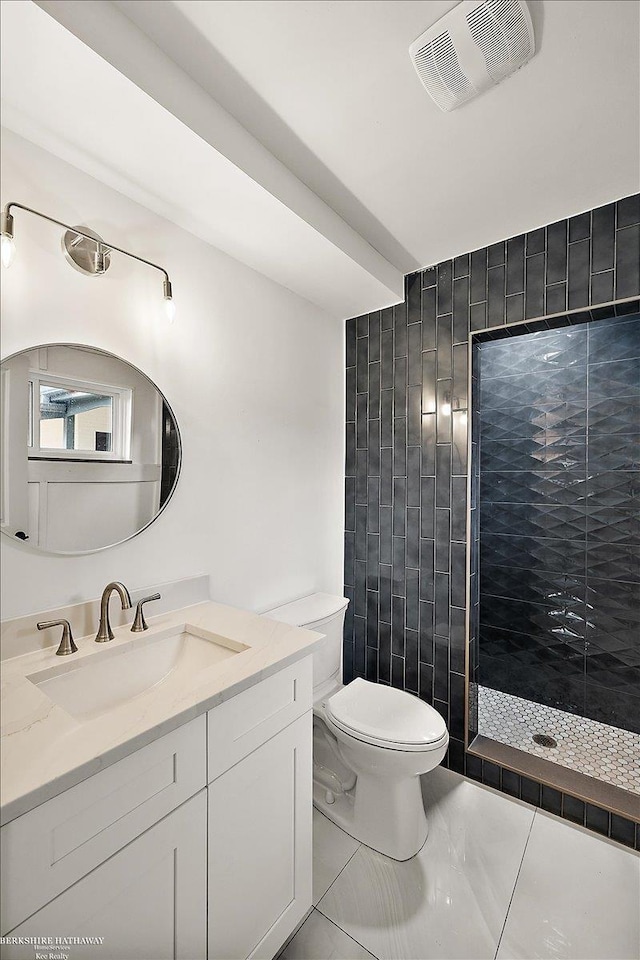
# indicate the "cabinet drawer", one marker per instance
pixel 46 850
pixel 252 717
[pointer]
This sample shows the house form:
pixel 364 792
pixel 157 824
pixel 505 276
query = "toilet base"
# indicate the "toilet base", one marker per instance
pixel 372 816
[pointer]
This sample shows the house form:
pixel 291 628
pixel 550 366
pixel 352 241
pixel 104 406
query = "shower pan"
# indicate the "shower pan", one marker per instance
pixel 554 612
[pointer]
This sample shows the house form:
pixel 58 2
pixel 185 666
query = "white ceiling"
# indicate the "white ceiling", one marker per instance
pixel 329 88
pixel 309 113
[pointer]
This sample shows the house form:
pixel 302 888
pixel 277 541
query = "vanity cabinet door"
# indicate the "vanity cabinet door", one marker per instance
pixel 148 901
pixel 260 847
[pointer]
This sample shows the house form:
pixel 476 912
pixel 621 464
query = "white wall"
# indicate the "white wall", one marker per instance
pixel 254 375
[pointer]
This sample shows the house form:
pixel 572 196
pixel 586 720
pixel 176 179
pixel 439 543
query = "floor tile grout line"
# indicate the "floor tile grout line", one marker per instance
pixel 340 873
pixel 515 885
pixel 342 930
pixel 350 935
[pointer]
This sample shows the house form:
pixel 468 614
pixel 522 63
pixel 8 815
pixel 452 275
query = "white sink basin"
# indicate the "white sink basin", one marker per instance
pixel 109 678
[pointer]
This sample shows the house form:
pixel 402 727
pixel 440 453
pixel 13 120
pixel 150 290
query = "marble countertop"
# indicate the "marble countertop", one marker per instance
pixel 44 750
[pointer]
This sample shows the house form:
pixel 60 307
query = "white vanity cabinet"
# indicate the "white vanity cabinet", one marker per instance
pixel 260 816
pixel 210 821
pixel 147 901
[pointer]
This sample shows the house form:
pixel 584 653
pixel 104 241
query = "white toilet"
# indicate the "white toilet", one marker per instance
pixel 371 742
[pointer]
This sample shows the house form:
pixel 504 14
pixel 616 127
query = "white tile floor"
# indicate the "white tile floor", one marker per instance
pixel 497 878
pixel 608 753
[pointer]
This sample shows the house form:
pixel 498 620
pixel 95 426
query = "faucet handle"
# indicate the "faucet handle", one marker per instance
pixel 139 622
pixel 67 644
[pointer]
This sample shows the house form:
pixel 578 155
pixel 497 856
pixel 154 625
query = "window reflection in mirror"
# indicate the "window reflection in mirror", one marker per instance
pixel 74 419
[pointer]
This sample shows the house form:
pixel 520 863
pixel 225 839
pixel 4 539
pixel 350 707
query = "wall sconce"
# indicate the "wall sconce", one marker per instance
pixel 84 250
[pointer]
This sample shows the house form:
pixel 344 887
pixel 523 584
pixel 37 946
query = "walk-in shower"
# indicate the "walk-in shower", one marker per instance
pixel 555 543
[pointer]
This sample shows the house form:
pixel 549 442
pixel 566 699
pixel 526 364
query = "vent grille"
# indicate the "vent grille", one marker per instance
pixel 471 48
pixel 499 27
pixel 439 69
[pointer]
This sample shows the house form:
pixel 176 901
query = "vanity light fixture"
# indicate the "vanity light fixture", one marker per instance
pixel 84 250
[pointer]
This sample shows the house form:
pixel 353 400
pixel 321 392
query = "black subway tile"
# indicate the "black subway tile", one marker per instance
pixel 556 298
pixel 515 265
pixel 443 353
pixel 556 252
pixel 428 467
pixel 580 227
pixel 397 625
pixel 603 238
pixel 511 783
pixel 445 276
pixel 429 319
pixel 496 254
pixel 478 316
pixel 444 403
pixel 400 330
pixel 441 623
pixel 413 476
pixel 628 211
pixel 491 774
pixel 443 542
pixel 414 415
pixel 515 308
pixel 374 336
pixel 414 367
pixel 534 286
pixel 578 285
pixel 362 365
pixel 350 342
pixel 478 275
pixel 496 296
pixel 397 672
pixel 622 830
pixel 443 474
pixel 386 360
pixel 530 791
pixel 602 287
pixel 551 800
pixel 461 266
pixel 460 310
pixel 425 682
pixel 628 262
pixel 573 809
pixel 429 277
pixel 414 297
pixel 597 819
pixel 535 241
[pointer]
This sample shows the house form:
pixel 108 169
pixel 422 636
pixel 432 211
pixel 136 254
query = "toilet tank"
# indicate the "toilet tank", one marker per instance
pixel 323 613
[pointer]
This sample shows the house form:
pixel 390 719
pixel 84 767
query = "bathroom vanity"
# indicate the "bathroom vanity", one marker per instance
pixel 175 821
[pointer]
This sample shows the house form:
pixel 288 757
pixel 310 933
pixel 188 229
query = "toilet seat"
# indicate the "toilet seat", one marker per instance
pixel 386 717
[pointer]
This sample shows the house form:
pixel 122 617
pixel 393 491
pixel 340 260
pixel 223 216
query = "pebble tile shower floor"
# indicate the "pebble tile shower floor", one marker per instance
pixel 588 746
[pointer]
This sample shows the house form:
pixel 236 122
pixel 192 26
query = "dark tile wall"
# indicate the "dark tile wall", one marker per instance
pixel 557 421
pixel 406 444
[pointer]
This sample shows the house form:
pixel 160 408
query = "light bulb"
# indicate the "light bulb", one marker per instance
pixel 8 250
pixel 446 408
pixel 170 309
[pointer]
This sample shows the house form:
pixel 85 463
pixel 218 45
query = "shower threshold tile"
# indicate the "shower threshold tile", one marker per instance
pixel 576 898
pixel 587 746
pixel 451 899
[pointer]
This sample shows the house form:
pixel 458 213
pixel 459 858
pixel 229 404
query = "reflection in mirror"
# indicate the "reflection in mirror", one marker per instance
pixel 90 449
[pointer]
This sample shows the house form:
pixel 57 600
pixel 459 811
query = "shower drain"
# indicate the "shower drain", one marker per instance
pixel 544 740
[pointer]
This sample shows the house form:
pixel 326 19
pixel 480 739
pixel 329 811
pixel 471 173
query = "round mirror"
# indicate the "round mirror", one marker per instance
pixel 90 449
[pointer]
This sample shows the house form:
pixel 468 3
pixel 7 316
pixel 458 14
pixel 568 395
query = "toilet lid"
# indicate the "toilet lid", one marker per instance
pixel 386 715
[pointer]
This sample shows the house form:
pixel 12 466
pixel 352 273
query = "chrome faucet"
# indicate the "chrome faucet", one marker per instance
pixel 104 628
